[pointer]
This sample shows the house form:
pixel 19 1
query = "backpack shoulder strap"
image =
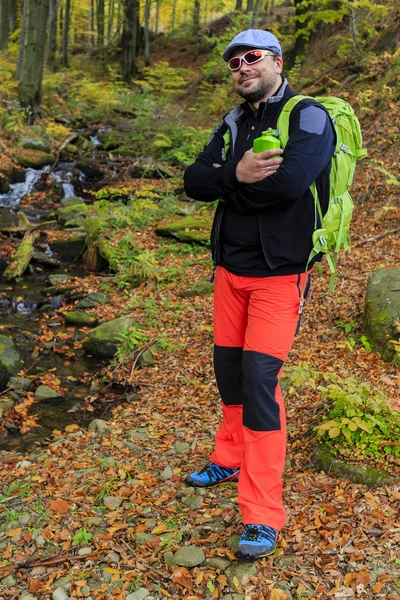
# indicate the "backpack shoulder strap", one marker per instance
pixel 284 118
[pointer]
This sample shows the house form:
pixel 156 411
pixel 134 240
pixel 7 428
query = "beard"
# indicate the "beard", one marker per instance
pixel 260 90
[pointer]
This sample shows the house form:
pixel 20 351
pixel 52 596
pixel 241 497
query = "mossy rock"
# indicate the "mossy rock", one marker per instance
pixel 189 229
pixel 37 162
pixel 201 288
pixel 71 201
pixel 4 185
pixel 90 168
pixel 323 460
pixel 39 145
pixel 80 319
pixel 10 360
pixel 93 226
pixel 72 214
pixel 382 310
pixel 70 248
pixel 104 339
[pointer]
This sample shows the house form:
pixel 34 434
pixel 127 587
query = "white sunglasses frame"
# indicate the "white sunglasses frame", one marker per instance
pixel 242 58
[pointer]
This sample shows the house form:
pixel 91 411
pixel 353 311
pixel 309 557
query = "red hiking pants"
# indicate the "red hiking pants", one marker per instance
pixel 255 322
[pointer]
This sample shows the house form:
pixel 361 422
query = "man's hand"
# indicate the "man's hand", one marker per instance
pixel 255 167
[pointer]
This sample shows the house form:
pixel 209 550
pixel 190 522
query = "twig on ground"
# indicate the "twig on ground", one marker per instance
pixel 376 237
pixel 61 148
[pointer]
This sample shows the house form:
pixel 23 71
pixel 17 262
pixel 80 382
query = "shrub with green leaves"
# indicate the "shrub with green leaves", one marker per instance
pixel 360 421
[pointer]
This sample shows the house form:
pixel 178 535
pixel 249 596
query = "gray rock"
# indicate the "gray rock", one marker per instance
pixel 193 502
pixel 6 404
pixel 285 586
pixel 182 447
pixel 201 288
pixel 60 594
pixel 99 425
pixel 23 464
pixel 72 214
pixel 284 561
pixel 39 145
pixel 146 359
pixel 134 448
pixel 189 556
pixel 45 393
pixel 218 563
pixel 26 596
pixel 113 557
pixel 139 435
pixel 42 259
pixel 141 538
pixel 105 338
pixel 169 559
pixel 9 581
pixel 94 300
pixel 382 310
pixel 71 201
pixel 10 360
pixel 59 278
pixel 112 501
pixel 233 542
pixel 84 551
pixel 19 383
pixel 80 319
pixel 140 594
pixel 166 474
pixel 242 572
pixel 70 247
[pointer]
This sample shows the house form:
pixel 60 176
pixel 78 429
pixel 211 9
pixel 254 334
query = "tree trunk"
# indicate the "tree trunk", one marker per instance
pixel 91 23
pixel 52 46
pixel 128 40
pixel 100 24
pixel 249 7
pixel 196 16
pixel 173 16
pixel 13 15
pixel 238 5
pixel 21 43
pixel 111 11
pixel 67 21
pixel 146 34
pixel 34 42
pixel 4 23
pixel 271 7
pixel 157 16
pixel 256 13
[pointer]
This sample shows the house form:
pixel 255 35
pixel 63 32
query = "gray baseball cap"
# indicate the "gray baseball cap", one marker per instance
pixel 253 38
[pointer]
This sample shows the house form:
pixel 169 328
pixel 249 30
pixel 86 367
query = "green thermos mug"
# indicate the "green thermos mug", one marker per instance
pixel 266 141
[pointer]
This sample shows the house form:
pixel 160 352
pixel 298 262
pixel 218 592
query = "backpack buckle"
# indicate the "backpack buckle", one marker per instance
pixel 344 148
pixel 322 240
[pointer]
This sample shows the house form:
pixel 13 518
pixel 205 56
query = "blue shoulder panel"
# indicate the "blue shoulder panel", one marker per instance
pixel 312 120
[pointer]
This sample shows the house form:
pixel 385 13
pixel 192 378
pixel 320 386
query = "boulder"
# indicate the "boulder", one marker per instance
pixel 42 259
pixel 189 556
pixel 71 201
pixel 10 360
pixel 90 168
pixel 37 162
pixel 74 214
pixel 45 394
pixel 382 310
pixel 70 247
pixel 192 230
pixel 95 299
pixel 35 144
pixel 104 339
pixel 80 319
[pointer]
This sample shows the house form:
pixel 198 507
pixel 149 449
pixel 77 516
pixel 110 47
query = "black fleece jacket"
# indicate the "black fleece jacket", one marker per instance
pixel 266 228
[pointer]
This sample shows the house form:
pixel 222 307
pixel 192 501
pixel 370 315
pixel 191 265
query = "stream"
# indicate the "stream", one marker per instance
pixel 20 307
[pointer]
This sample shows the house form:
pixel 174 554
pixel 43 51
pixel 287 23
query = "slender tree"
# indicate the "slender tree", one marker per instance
pixel 256 13
pixel 173 14
pixel 21 45
pixel 13 14
pixel 4 23
pixel 34 44
pixel 67 23
pixel 129 39
pixel 196 16
pixel 146 33
pixel 52 45
pixel 249 7
pixel 111 14
pixel 238 5
pixel 100 24
pixel 92 17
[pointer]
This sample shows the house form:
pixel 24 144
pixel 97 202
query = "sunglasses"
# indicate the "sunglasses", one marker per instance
pixel 250 58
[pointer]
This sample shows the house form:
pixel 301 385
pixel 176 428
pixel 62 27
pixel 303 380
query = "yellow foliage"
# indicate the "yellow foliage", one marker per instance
pixel 57 131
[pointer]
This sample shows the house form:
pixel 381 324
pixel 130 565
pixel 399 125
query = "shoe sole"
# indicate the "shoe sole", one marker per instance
pixel 254 557
pixel 190 481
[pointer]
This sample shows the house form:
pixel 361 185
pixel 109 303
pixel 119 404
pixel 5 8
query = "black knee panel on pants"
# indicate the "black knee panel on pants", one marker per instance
pixel 260 377
pixel 228 372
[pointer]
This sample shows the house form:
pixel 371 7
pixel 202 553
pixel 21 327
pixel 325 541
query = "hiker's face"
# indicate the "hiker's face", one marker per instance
pixel 258 81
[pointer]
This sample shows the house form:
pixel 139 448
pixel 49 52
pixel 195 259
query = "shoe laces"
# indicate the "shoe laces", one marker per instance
pixel 215 471
pixel 255 533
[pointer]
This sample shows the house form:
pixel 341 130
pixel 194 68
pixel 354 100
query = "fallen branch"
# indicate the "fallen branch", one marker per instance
pixel 24 225
pixel 377 237
pixel 21 257
pixel 71 138
pixel 10 156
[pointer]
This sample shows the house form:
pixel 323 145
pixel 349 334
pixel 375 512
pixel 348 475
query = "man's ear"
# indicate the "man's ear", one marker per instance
pixel 279 64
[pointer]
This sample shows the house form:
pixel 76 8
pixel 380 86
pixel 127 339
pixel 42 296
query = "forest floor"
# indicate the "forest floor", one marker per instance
pixel 106 514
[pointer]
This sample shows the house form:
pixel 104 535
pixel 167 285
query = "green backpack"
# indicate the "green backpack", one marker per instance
pixel 334 231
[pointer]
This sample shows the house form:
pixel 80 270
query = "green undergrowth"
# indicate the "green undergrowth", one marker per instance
pixel 359 422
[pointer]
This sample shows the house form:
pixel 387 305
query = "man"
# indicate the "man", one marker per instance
pixel 261 241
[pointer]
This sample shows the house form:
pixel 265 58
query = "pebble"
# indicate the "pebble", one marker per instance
pixel 193 502
pixel 60 594
pixel 84 551
pixel 99 425
pixel 166 474
pixel 26 596
pixel 133 447
pixel 218 563
pixel 44 392
pixel 138 435
pixel 182 447
pixel 284 561
pixel 140 594
pixel 9 581
pixel 112 501
pixel 113 557
pixel 23 464
pixel 141 538
pixel 242 572
pixel 189 556
pixel 233 542
pixel 169 559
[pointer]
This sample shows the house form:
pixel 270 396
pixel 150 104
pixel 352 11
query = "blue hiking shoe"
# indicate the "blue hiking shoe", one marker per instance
pixel 212 474
pixel 257 541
